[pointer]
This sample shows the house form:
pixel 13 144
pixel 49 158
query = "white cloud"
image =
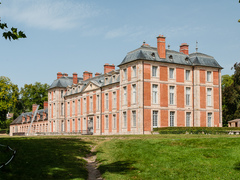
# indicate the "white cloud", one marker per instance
pixel 46 14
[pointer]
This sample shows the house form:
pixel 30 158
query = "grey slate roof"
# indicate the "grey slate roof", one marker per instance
pixel 63 82
pixel 146 52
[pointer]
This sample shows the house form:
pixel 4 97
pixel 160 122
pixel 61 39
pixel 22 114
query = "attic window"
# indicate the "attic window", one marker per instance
pixel 153 55
pixel 113 78
pixel 90 85
pixel 170 57
pixel 187 59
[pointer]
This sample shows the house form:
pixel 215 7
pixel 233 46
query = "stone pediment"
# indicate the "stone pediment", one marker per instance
pixel 90 87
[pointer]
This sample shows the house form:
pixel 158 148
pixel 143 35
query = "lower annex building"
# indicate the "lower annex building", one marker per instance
pixel 153 87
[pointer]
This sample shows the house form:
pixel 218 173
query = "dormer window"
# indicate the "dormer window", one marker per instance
pixel 113 78
pixel 187 59
pixel 106 80
pixel 153 55
pixel 170 57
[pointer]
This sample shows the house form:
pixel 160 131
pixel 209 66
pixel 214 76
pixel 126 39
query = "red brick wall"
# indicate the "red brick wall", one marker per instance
pixel 128 120
pixel 180 96
pixel 147 94
pixel 202 97
pixel 203 119
pixel 129 95
pixel 215 78
pixel 118 99
pixel 129 73
pixel 147 119
pixel 163 95
pixel 110 122
pixel 164 118
pixel 94 103
pixel 179 75
pixel 216 98
pixel 180 118
pixel 163 73
pixel 147 71
pixel 216 119
pixel 202 76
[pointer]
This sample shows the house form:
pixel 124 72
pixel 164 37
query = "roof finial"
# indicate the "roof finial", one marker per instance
pixel 196 46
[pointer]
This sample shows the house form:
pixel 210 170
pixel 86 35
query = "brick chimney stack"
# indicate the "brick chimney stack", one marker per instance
pixel 184 48
pixel 59 75
pixel 87 75
pixel 34 107
pixel 161 46
pixel 45 105
pixel 75 78
pixel 65 74
pixel 97 74
pixel 108 68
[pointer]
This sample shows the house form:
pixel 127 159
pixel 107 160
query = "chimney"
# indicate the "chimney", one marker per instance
pixel 97 74
pixel 45 105
pixel 87 75
pixel 108 68
pixel 65 75
pixel 59 75
pixel 34 107
pixel 75 78
pixel 161 47
pixel 184 48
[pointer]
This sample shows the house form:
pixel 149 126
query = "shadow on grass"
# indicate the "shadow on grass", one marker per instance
pixel 237 166
pixel 46 158
pixel 120 167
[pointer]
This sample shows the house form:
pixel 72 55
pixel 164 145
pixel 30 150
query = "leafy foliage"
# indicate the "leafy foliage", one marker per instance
pixel 33 94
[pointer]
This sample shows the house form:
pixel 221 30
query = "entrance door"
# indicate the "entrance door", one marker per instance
pixel 90 125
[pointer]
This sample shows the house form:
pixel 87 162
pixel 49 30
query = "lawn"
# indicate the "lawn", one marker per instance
pixel 44 158
pixel 124 157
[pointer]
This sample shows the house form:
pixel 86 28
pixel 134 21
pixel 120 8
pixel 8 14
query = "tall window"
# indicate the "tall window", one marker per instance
pixel 85 124
pixel 171 73
pixel 61 93
pixel 188 89
pixel 125 95
pixel 209 73
pixel 106 101
pixel 68 108
pixel 98 102
pixel 124 74
pixel 79 106
pixel 73 108
pixel 134 119
pixel 188 119
pixel 171 95
pixel 187 75
pixel 54 109
pixel 85 105
pixel 68 126
pixel 155 119
pixel 106 122
pixel 79 124
pixel 154 93
pixel 98 123
pixel 124 119
pixel 73 125
pixel 50 110
pixel 209 96
pixel 91 103
pixel 134 95
pixel 154 71
pixel 62 109
pixel 134 73
pixel 114 122
pixel 172 118
pixel 209 123
pixel 114 100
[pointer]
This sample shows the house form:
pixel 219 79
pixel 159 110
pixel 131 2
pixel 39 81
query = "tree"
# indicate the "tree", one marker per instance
pixel 8 98
pixel 33 94
pixel 12 34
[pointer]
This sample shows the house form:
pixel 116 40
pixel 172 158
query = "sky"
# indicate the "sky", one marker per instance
pixel 82 35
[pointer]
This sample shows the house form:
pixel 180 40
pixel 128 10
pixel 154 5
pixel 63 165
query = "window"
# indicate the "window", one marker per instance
pixel 114 100
pixel 85 124
pixel 98 123
pixel 154 71
pixel 62 109
pixel 106 101
pixel 106 122
pixel 209 76
pixel 68 108
pixel 209 96
pixel 73 108
pixel 171 73
pixel 68 126
pixel 188 119
pixel 50 110
pixel 155 119
pixel 124 119
pixel 209 122
pixel 171 95
pixel 85 105
pixel 187 75
pixel 98 102
pixel 106 80
pixel 79 106
pixel 79 124
pixel 154 93
pixel 113 79
pixel 134 73
pixel 134 118
pixel 172 118
pixel 125 95
pixel 124 74
pixel 188 89
pixel 61 93
pixel 114 122
pixel 73 125
pixel 134 96
pixel 91 103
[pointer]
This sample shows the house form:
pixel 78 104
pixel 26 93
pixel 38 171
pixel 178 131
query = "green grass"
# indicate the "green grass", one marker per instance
pixel 171 157
pixel 44 158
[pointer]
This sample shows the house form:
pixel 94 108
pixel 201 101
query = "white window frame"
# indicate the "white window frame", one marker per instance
pixel 188 119
pixel 98 102
pixel 209 96
pixel 98 122
pixel 154 93
pixel 114 121
pixel 124 119
pixel 172 119
pixel 73 108
pixel 209 76
pixel 68 126
pixel 209 119
pixel 134 71
pixel 73 125
pixel 62 109
pixel 125 74
pixel 134 94
pixel 106 122
pixel 125 95
pixel 85 105
pixel 171 95
pixel 79 106
pixel 188 96
pixel 171 73
pixel 154 71
pixel 187 75
pixel 79 124
pixel 114 100
pixel 91 103
pixel 155 119
pixel 134 118
pixel 106 101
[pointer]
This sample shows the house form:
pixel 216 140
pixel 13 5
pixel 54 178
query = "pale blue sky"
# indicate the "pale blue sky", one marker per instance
pixel 82 35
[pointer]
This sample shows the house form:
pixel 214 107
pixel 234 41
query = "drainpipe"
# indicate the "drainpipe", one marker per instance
pixel 143 93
